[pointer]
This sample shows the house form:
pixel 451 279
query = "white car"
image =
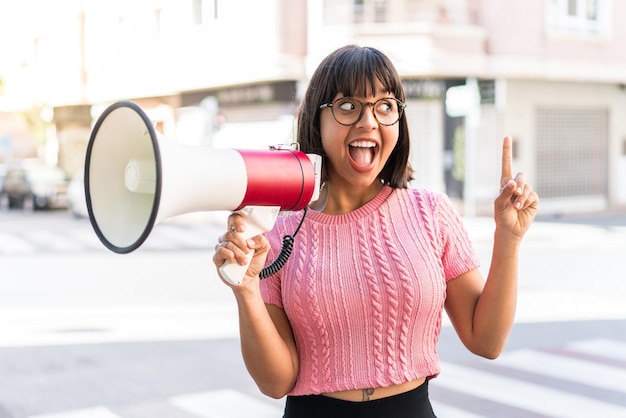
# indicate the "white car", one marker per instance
pixel 76 194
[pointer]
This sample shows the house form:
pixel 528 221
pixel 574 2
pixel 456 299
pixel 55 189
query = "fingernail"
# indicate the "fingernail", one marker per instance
pixel 250 243
pixel 518 205
pixel 519 190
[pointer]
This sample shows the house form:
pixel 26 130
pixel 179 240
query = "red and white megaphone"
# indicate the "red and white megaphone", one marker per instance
pixel 135 178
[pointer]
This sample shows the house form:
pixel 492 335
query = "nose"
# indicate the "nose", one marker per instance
pixel 368 117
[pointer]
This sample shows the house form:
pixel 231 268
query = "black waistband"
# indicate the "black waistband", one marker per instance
pixel 411 404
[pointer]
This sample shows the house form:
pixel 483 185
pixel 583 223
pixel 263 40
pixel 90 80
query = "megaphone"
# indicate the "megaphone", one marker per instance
pixel 136 178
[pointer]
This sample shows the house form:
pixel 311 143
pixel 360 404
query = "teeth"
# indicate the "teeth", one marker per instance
pixel 363 144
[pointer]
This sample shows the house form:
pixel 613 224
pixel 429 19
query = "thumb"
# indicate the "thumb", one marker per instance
pixel 506 193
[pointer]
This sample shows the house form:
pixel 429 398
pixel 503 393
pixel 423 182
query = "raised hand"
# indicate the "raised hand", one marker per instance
pixel 516 205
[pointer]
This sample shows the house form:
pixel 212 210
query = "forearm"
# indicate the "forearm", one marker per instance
pixel 495 308
pixel 268 357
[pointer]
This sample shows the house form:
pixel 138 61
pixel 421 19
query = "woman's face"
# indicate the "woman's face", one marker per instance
pixel 356 154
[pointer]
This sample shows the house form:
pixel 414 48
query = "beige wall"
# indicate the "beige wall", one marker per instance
pixel 15 132
pixel 527 32
pixel 524 97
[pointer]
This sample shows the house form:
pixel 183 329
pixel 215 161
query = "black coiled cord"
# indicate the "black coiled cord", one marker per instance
pixel 285 252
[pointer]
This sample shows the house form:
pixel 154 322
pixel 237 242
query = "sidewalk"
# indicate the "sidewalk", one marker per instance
pixel 561 231
pixel 568 271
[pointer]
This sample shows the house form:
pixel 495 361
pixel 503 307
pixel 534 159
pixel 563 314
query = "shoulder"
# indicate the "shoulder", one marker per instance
pixel 434 209
pixel 426 200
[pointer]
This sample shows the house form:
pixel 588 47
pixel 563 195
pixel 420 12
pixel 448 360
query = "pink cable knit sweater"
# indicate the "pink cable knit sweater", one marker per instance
pixel 364 291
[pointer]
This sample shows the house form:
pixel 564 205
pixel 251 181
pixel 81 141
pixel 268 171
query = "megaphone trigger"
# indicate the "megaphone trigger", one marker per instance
pixel 259 219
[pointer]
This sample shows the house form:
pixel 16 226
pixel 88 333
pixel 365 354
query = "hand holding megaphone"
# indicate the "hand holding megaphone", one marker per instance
pixel 258 219
pixel 134 179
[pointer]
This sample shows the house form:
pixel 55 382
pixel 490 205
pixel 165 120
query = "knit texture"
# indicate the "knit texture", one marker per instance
pixel 364 291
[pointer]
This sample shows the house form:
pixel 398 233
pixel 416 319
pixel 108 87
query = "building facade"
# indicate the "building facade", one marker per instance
pixel 550 73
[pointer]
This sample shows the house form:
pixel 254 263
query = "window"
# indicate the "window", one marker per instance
pixel 368 11
pixel 582 17
pixel 572 152
pixel 204 11
pixel 380 10
pixel 359 11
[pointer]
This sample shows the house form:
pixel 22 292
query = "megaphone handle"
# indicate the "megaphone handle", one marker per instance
pixel 259 219
pixel 233 272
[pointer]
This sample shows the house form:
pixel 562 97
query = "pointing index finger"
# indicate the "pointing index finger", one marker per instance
pixel 507 157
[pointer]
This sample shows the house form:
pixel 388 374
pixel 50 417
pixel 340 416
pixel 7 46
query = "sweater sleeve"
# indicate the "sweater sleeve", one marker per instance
pixel 458 254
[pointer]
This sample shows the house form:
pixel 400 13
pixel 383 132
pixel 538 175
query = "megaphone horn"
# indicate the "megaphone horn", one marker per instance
pixel 135 178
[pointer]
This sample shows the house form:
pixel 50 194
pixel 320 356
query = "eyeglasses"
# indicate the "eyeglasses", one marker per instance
pixel 348 111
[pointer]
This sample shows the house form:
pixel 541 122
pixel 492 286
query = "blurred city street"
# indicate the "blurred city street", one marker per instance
pixel 86 333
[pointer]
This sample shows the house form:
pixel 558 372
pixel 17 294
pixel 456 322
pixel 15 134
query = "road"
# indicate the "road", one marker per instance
pixel 85 333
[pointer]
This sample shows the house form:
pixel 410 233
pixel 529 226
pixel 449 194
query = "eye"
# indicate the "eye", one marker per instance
pixel 345 105
pixel 386 106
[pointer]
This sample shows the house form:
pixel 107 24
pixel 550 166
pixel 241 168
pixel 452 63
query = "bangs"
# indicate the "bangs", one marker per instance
pixel 359 72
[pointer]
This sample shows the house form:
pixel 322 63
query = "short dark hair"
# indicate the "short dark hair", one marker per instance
pixel 353 71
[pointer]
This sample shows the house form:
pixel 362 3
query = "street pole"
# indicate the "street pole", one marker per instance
pixel 472 122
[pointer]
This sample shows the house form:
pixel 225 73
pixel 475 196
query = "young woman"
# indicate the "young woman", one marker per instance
pixel 349 327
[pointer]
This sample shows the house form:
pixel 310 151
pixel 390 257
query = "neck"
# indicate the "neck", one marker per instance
pixel 335 200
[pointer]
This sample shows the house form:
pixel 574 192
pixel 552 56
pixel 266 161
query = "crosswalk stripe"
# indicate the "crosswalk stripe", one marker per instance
pixel 447 411
pixel 226 403
pixel 184 236
pixel 97 412
pixel 574 370
pixel 53 240
pixel 66 325
pixel 11 244
pixel 520 394
pixel 87 238
pixel 606 348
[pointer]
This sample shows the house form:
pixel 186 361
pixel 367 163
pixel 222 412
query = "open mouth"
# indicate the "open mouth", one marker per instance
pixel 362 152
